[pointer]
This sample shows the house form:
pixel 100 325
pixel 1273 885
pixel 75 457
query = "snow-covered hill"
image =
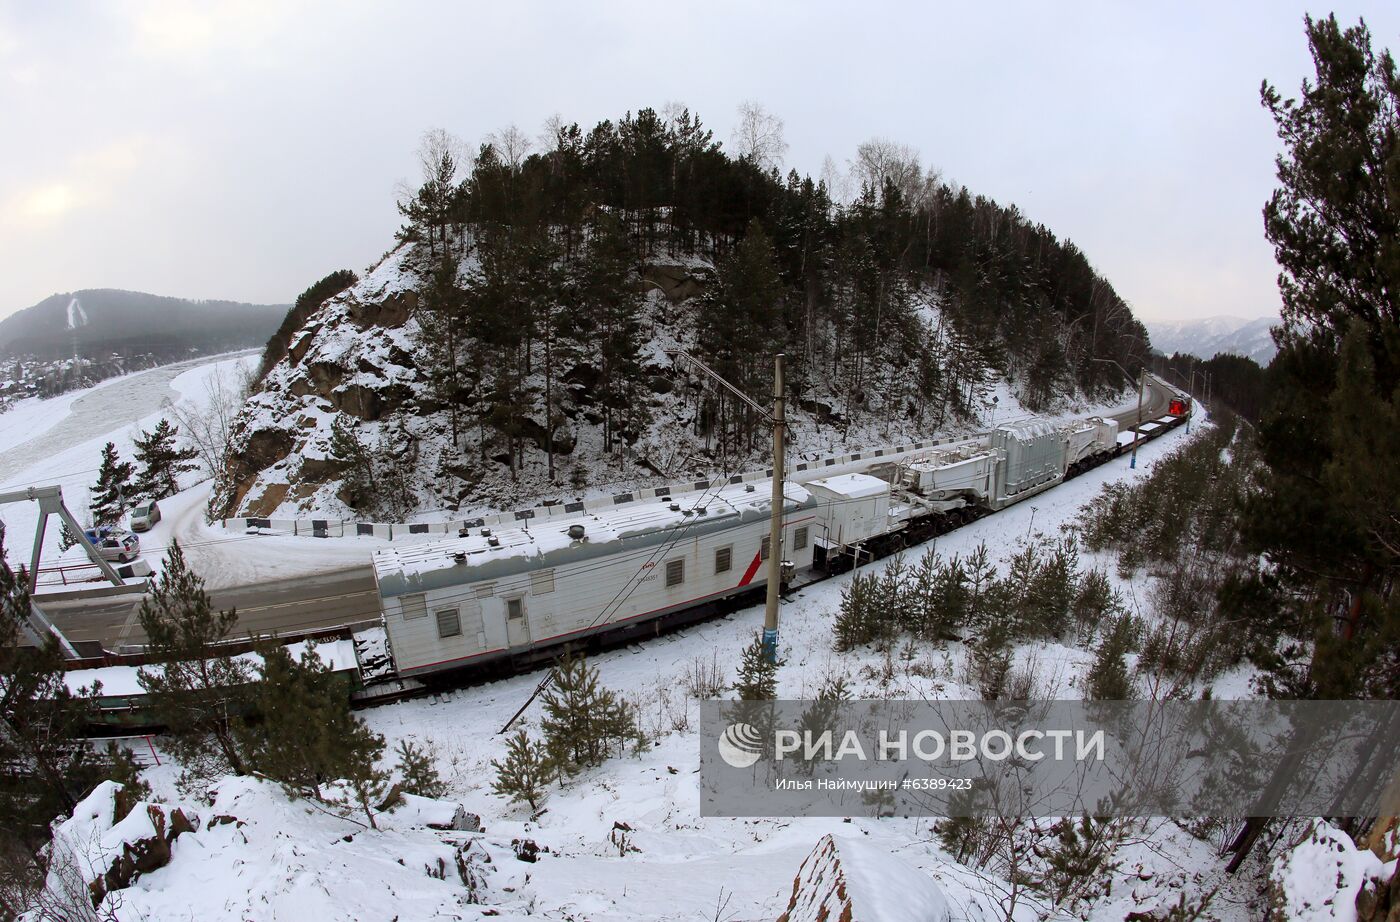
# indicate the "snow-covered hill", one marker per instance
pixel 1212 335
pixel 360 359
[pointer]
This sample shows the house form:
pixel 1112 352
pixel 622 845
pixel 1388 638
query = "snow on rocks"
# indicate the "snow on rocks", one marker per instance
pixel 854 881
pixel 254 852
pixel 1326 878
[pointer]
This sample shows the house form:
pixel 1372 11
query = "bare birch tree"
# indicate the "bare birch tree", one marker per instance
pixel 759 136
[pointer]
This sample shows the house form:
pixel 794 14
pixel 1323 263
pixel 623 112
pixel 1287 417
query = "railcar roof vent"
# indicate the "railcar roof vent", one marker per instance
pixel 486 533
pixel 493 541
pixel 748 488
pixel 675 507
pixel 462 532
pixel 688 512
pixel 460 557
pixel 576 532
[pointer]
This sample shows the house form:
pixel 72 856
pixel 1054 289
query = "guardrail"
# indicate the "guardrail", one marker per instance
pixel 336 528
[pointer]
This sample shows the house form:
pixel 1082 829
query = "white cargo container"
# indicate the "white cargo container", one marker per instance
pixel 852 508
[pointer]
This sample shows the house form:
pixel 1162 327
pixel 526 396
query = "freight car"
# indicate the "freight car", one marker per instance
pixel 520 593
pixel 507 592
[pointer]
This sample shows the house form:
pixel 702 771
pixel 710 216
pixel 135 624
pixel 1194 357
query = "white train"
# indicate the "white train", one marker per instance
pixel 520 592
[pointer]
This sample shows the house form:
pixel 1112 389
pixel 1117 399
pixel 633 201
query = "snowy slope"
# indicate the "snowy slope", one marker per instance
pixel 355 359
pixel 625 841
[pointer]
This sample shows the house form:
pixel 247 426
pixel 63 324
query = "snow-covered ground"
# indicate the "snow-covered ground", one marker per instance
pixel 670 864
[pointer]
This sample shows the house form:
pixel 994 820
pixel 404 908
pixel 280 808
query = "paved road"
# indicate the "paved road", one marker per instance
pixel 335 597
pixel 285 606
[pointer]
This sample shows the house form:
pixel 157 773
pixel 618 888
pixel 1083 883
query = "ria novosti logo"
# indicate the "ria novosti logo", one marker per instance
pixel 740 745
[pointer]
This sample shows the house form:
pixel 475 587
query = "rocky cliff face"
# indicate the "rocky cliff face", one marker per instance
pixel 360 358
pixel 353 357
pixel 356 359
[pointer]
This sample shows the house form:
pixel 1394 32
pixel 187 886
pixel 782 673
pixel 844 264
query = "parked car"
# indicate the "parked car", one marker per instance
pixel 114 544
pixel 144 516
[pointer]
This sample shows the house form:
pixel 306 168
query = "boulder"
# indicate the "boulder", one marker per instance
pixel 360 401
pixel 393 311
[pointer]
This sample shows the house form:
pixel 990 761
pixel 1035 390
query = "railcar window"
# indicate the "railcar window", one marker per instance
pixel 414 606
pixel 449 622
pixel 724 559
pixel 675 573
pixel 515 608
pixel 799 538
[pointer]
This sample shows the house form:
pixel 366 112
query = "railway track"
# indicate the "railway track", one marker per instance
pixel 339 601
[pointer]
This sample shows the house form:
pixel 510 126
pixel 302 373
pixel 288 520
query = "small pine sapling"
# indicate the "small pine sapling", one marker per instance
pixel 757 679
pixel 418 771
pixel 523 773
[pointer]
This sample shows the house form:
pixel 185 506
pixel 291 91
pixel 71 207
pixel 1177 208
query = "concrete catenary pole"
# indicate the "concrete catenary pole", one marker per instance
pixel 1137 433
pixel 775 530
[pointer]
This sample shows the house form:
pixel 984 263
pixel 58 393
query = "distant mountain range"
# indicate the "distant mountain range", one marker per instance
pixel 1212 335
pixel 97 323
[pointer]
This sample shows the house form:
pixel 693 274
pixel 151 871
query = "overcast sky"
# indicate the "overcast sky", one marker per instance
pixel 243 150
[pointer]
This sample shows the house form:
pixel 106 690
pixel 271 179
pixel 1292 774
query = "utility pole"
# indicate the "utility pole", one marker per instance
pixel 1137 432
pixel 775 527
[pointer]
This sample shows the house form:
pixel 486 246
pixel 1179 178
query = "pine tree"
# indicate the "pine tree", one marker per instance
pixel 951 601
pixel 1095 602
pixel 1053 589
pixel 162 461
pixel 855 619
pixel 892 607
pixel 739 326
pixel 356 463
pixel 123 768
pixel 443 330
pixel 416 768
pixel 41 723
pixel 1079 854
pixel 757 676
pixel 609 314
pixel 584 722
pixel 1320 511
pixel 1108 677
pixel 303 734
pixel 358 752
pixel 196 693
pixel 981 575
pixel 521 776
pixel 113 489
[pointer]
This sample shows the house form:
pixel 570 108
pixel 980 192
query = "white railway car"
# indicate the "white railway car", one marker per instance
pixel 491 594
pixel 532 586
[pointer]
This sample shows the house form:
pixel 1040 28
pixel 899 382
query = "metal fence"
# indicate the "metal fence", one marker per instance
pixel 336 528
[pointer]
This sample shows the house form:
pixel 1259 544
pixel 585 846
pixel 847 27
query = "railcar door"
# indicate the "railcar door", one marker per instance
pixel 517 625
